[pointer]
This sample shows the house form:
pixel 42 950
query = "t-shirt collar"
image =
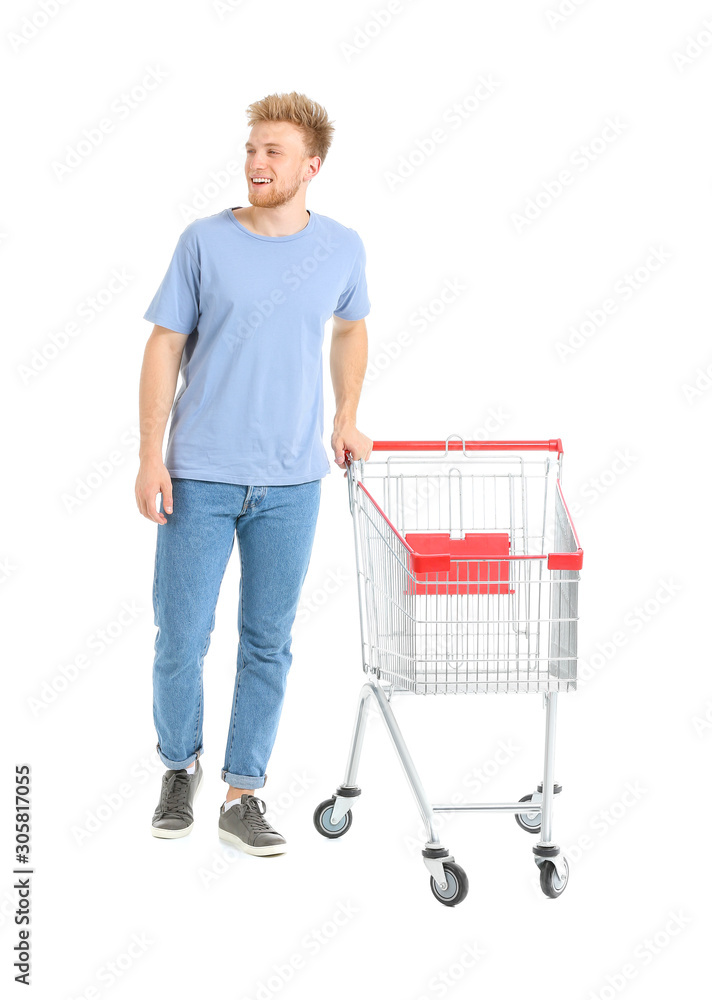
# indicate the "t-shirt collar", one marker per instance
pixel 271 239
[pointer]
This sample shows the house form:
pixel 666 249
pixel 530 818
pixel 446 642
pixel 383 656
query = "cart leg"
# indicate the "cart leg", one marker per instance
pixel 372 690
pixel 547 792
pixel 357 737
pixel 434 854
pixel 546 849
pixel 424 807
pixel 349 789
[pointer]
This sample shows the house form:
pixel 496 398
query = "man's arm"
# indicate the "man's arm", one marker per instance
pixel 348 360
pixel 157 389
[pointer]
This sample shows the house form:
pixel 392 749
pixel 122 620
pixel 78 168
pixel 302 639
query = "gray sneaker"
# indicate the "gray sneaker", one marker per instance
pixel 174 813
pixel 245 826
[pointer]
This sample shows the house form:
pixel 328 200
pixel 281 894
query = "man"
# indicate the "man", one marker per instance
pixel 241 312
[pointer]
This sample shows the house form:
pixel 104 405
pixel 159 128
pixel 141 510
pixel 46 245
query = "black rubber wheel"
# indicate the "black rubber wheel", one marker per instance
pixel 457 885
pixel 322 820
pixel 522 821
pixel 551 885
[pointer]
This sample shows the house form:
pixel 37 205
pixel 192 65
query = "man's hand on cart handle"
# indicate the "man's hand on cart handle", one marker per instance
pixel 347 438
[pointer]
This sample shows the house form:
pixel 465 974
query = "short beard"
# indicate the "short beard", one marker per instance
pixel 275 196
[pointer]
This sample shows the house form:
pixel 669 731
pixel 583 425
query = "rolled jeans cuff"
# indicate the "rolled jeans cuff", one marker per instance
pixel 244 780
pixel 176 765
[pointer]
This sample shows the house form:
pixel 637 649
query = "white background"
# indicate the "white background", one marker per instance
pixel 487 365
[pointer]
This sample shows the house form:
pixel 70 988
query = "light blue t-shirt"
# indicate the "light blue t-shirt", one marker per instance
pixel 250 409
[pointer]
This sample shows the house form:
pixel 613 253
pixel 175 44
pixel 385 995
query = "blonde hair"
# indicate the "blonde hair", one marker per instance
pixel 308 116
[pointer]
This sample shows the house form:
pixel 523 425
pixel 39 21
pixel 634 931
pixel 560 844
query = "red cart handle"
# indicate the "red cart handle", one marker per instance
pixel 456 444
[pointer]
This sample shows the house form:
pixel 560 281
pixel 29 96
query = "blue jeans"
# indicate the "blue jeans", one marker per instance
pixel 275 528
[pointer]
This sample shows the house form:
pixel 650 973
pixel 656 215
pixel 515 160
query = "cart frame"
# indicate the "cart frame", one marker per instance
pixel 482 584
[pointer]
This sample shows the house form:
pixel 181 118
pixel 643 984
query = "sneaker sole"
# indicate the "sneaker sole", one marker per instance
pixel 260 852
pixel 174 834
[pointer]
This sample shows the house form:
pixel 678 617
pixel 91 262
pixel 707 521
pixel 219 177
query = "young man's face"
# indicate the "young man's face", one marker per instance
pixel 275 151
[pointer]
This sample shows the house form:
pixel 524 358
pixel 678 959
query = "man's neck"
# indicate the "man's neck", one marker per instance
pixel 285 220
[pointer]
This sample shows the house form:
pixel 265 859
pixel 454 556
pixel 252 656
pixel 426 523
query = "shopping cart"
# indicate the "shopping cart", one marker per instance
pixel 467 564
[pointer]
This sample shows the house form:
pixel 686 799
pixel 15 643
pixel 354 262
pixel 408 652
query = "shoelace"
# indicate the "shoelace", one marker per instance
pixel 175 790
pixel 253 815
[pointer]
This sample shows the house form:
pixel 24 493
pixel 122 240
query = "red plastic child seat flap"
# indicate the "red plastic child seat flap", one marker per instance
pixel 470 576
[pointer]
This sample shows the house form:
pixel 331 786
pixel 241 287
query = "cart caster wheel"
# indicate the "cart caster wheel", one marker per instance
pixel 322 820
pixel 551 884
pixel 457 885
pixel 531 826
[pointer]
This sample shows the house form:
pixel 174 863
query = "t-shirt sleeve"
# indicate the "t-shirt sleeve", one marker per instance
pixel 176 304
pixel 353 302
